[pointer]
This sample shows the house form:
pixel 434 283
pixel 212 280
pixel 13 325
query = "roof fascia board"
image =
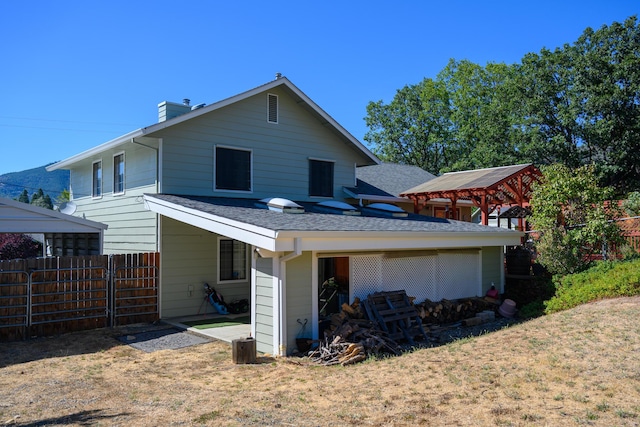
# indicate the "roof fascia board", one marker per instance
pixel 208 108
pixel 44 213
pixel 373 243
pixel 256 236
pixel 64 164
pixel 330 120
pixel 40 226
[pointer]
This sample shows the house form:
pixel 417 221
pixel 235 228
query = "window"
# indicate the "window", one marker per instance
pixel 320 178
pixel 97 179
pixel 233 169
pixel 272 108
pixel 118 173
pixel 232 260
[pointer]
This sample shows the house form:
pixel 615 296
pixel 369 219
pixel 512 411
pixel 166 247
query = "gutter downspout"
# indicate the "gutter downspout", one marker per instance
pixel 282 284
pixel 157 179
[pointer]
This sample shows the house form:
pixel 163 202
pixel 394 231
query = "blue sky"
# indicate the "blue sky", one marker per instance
pixel 76 74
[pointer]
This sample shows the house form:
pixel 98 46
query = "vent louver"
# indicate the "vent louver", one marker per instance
pixel 272 108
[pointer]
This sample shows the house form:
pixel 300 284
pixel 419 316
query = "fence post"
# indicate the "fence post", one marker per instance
pixel 111 304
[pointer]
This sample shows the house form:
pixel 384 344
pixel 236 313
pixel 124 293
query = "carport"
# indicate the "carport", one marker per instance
pixel 63 234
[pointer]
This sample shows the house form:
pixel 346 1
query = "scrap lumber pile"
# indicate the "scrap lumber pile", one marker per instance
pixel 351 338
pixel 449 311
pixel 395 314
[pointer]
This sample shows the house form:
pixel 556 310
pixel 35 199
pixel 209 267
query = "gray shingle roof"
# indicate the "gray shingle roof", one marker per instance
pixel 391 178
pixel 250 212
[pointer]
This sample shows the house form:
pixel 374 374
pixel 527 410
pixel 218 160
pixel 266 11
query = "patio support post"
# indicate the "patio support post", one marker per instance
pixel 282 295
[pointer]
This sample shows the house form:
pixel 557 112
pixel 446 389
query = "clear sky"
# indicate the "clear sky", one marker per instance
pixel 75 74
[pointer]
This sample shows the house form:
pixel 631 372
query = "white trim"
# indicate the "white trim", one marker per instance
pixel 93 182
pixel 275 282
pixel 269 95
pixel 333 177
pixel 247 277
pixel 229 147
pixel 257 236
pixel 319 159
pixel 278 241
pixel 113 184
pixel 315 316
pixel 46 221
pixel 253 289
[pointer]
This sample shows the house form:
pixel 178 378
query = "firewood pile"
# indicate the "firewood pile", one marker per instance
pixel 450 311
pixel 351 338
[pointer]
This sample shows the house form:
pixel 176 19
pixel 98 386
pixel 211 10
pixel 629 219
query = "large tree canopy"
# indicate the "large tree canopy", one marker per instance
pixel 576 105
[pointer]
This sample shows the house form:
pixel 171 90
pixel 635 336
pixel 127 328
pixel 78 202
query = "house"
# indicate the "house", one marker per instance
pixel 249 195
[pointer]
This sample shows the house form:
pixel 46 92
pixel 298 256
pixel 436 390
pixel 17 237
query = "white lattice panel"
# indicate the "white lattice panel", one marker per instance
pixel 416 275
pixel 458 275
pixel 366 275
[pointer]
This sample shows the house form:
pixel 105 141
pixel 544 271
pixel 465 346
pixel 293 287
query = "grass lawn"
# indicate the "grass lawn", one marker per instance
pixel 578 367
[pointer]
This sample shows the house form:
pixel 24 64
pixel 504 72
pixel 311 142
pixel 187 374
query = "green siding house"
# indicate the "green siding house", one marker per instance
pixel 257 196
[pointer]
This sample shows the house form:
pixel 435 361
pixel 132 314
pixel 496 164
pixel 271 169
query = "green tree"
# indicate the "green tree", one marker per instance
pixel 608 84
pixel 463 119
pixel 41 200
pixel 64 196
pixel 545 84
pixel 570 219
pixel 582 104
pixel 631 205
pixel 483 115
pixel 414 127
pixel 24 196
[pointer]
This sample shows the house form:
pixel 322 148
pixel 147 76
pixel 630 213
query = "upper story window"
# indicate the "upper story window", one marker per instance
pixel 118 173
pixel 232 169
pixel 320 178
pixel 272 108
pixel 232 260
pixel 96 190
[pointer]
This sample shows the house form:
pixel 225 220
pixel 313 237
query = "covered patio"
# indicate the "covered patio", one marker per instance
pixel 488 189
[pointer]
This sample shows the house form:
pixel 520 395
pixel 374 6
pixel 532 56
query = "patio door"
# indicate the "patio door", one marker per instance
pixel 333 289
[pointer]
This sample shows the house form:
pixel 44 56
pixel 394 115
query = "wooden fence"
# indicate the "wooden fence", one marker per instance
pixel 50 296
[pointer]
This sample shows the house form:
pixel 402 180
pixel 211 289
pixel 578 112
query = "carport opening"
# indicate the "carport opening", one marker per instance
pixel 333 277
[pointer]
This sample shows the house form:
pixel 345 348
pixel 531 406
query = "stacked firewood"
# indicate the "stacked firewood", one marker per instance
pixel 449 311
pixel 351 338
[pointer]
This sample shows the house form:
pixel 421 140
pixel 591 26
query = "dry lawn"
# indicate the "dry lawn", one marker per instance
pixel 580 367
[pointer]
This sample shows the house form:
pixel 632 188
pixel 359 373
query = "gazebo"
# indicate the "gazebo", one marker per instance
pixel 486 188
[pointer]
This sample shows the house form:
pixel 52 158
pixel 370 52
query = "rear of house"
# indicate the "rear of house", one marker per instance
pixel 198 187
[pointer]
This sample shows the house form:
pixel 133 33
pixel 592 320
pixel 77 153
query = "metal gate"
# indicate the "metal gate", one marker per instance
pixel 50 296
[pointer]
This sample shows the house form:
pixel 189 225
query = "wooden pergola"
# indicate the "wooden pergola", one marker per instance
pixel 486 188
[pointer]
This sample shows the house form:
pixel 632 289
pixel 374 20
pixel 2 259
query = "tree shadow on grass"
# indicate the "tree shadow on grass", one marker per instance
pixel 83 418
pixel 69 344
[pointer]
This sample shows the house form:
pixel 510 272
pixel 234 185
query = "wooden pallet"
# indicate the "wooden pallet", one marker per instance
pixel 395 315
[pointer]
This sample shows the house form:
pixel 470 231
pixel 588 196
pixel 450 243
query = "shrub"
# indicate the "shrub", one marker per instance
pixel 16 246
pixel 607 279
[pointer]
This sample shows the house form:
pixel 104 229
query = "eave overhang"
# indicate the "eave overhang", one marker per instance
pixel 329 240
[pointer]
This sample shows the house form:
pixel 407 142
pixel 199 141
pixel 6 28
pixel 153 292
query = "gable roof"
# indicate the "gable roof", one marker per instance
pixel 388 179
pixel 466 182
pixel 244 220
pixel 18 217
pixel 301 98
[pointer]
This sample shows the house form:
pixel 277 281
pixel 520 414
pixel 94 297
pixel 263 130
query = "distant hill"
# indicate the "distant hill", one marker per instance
pixel 52 183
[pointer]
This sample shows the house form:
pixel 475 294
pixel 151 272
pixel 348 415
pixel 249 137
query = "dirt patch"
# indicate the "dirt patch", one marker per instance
pixel 578 367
